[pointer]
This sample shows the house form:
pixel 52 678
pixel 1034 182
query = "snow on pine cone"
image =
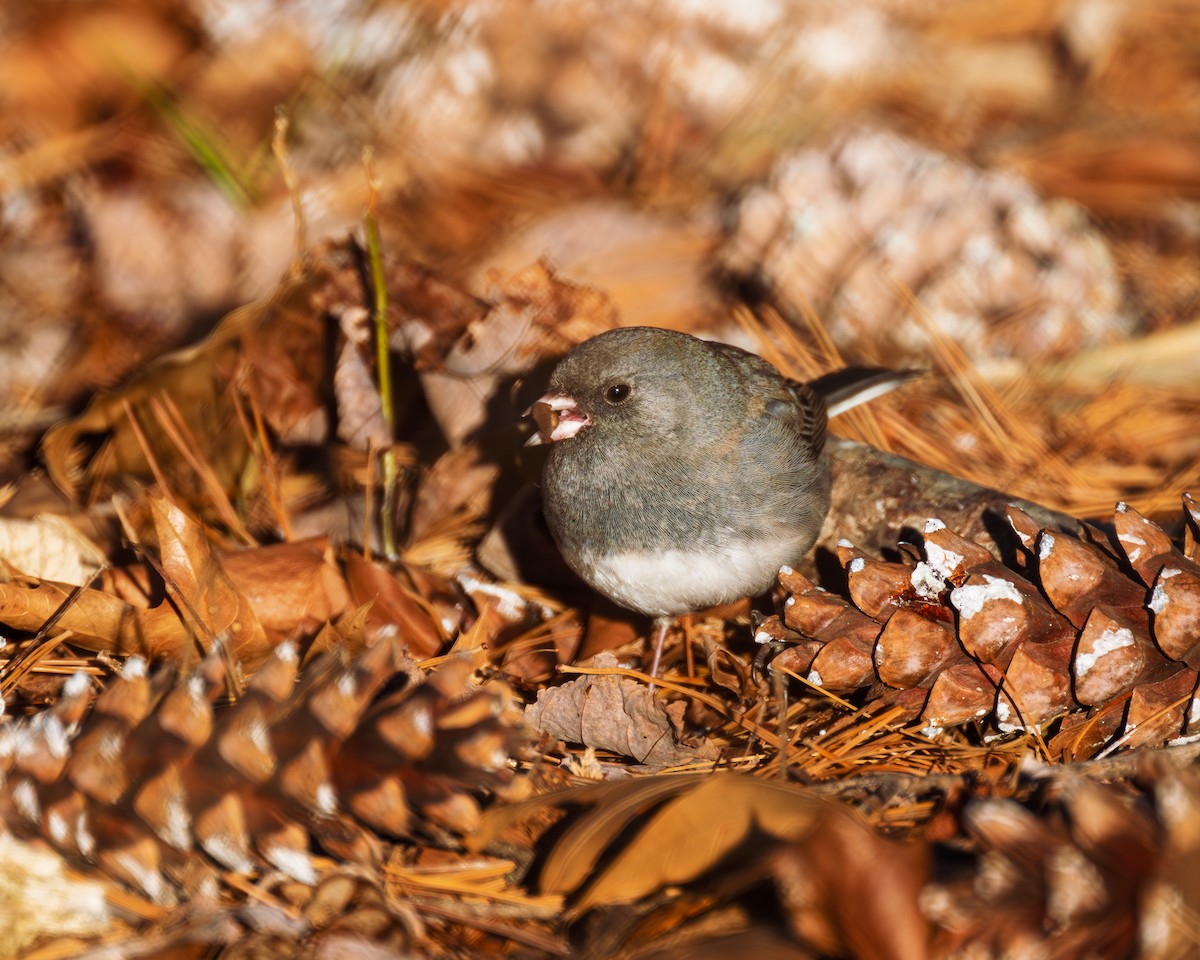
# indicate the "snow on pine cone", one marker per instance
pixel 162 792
pixel 1104 636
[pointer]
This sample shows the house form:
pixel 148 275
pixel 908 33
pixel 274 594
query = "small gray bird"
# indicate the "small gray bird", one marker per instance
pixel 684 473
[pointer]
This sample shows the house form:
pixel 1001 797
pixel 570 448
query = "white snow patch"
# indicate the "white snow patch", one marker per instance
pixel 1046 546
pixel 945 562
pixel 111 744
pixel 846 47
pixel 295 863
pixel 222 848
pixel 326 800
pixel 83 837
pixel 134 668
pixel 494 761
pixel 57 826
pixel 76 684
pixel 422 721
pixel 857 565
pixel 815 678
pixel 1158 599
pixel 509 604
pixel 150 881
pixel 748 16
pixel 56 737
pixel 25 799
pixel 763 637
pixel 969 599
pixel 1006 721
pixel 176 829
pixel 926 581
pixel 260 736
pixel 933 524
pixel 1113 638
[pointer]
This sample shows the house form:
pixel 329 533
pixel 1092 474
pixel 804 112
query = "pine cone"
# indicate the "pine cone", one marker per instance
pixel 1104 637
pixel 161 791
pixel 843 230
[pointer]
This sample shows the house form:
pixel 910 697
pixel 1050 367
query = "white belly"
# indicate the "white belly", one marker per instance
pixel 671 582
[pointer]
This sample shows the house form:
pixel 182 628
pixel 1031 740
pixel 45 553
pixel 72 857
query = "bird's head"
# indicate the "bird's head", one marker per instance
pixel 636 382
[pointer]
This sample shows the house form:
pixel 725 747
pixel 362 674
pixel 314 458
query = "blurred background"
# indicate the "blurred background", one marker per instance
pixel 1003 192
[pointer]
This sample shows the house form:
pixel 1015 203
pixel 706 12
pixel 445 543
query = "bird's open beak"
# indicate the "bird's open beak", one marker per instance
pixel 557 416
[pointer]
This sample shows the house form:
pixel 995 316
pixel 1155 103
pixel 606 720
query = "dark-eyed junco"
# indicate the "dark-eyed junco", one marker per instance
pixel 685 473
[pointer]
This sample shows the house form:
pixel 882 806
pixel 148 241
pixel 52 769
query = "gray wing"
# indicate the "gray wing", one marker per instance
pixel 800 409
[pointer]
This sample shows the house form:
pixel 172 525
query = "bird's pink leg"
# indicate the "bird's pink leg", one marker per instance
pixel 661 626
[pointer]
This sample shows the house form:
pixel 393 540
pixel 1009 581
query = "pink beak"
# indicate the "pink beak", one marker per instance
pixel 557 417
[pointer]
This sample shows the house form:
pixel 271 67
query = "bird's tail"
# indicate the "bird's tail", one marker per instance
pixel 850 386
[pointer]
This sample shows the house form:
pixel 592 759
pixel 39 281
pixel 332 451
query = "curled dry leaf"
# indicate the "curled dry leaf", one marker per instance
pixel 97 620
pixel 637 837
pixel 195 571
pixel 361 421
pixel 619 715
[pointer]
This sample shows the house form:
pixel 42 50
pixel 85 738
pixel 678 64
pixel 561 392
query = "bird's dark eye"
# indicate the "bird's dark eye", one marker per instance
pixel 617 392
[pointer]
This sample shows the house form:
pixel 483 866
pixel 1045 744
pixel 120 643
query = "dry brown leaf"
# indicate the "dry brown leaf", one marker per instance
pixel 848 891
pixel 688 835
pixel 269 356
pixel 262 595
pixel 97 620
pixel 460 481
pixel 292 587
pixel 535 315
pixel 361 421
pixel 195 570
pixel 190 377
pixel 392 606
pixel 619 715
